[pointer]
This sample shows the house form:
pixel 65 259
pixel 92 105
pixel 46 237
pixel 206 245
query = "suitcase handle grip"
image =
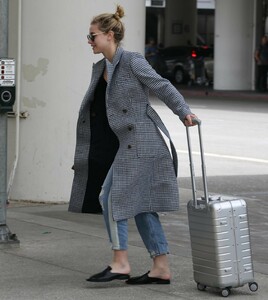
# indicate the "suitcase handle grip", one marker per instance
pixel 196 121
pixel 204 177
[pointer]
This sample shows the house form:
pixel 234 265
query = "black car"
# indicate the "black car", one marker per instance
pixel 178 62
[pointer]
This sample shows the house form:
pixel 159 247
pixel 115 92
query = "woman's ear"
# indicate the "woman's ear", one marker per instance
pixel 110 35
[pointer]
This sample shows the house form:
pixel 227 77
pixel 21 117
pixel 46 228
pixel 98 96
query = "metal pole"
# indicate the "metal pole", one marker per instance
pixel 4 28
pixel 6 237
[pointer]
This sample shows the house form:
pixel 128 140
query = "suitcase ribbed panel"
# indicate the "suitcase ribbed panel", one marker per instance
pixel 220 243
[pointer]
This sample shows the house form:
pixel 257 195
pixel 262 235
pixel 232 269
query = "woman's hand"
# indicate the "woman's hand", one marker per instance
pixel 188 120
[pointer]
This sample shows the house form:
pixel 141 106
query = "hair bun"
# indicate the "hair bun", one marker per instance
pixel 119 13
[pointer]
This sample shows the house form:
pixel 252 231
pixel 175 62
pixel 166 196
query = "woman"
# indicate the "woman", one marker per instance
pixel 142 176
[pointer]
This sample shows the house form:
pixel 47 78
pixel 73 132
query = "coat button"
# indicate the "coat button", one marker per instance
pixel 130 128
pixel 129 146
pixel 83 121
pixel 124 111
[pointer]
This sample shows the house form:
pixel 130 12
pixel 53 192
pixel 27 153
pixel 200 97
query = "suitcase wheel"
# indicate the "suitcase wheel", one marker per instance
pixel 253 286
pixel 201 287
pixel 225 292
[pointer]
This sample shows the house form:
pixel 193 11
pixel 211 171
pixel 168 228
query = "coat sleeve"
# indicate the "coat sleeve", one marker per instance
pixel 160 86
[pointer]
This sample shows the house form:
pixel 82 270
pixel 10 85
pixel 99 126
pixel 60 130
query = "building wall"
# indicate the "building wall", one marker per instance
pixel 54 70
pixel 235 27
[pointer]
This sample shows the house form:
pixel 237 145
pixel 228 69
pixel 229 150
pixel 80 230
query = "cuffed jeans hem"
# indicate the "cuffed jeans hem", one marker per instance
pixel 119 248
pixel 154 254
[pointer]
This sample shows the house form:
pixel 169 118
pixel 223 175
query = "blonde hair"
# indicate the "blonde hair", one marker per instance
pixel 111 22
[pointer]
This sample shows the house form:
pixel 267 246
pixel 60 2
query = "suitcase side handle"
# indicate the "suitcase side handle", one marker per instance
pixel 204 177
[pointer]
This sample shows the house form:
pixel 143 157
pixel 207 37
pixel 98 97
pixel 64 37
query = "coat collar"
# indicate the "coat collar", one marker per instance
pixel 117 56
pixel 110 66
pixel 99 67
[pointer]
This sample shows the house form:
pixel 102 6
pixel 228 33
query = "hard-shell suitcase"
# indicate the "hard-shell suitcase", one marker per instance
pixel 220 236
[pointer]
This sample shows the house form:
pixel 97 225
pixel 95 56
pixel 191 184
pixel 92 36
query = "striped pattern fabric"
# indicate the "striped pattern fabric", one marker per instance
pixel 144 172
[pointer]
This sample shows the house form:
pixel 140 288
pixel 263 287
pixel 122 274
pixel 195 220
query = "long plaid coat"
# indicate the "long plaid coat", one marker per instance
pixel 144 171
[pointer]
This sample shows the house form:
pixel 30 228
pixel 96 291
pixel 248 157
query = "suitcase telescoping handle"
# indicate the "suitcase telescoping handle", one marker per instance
pixel 204 176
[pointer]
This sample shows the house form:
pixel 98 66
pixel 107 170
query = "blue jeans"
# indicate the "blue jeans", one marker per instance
pixel 148 224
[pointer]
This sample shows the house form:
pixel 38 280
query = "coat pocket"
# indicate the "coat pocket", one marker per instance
pixel 148 139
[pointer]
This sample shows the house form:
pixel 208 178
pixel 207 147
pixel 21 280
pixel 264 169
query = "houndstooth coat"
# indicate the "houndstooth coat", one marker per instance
pixel 144 171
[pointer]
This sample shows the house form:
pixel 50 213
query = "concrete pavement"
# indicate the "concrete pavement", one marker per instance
pixel 59 250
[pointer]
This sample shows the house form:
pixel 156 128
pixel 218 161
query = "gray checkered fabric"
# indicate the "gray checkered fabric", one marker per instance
pixel 144 172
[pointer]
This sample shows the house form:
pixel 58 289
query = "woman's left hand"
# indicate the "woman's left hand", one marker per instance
pixel 188 120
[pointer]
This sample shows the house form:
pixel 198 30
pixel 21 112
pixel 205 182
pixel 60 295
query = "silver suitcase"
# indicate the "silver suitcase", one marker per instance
pixel 220 236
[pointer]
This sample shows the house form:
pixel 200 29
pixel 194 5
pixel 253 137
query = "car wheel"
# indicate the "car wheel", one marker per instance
pixel 179 75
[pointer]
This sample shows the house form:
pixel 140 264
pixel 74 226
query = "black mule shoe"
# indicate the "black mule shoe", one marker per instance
pixel 145 279
pixel 106 276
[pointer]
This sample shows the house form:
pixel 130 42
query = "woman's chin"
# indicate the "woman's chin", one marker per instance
pixel 95 51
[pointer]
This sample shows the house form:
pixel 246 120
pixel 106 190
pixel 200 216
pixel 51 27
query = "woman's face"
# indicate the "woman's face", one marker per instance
pixel 99 41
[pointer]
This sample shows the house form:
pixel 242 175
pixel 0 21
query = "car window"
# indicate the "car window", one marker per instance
pixel 175 51
pixel 204 51
pixel 186 51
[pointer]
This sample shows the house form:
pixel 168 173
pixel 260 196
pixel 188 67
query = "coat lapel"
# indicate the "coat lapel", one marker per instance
pixel 97 71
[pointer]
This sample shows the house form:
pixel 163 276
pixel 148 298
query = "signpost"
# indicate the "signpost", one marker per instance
pixel 7 99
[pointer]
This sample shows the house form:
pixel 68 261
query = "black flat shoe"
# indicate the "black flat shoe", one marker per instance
pixel 145 279
pixel 106 276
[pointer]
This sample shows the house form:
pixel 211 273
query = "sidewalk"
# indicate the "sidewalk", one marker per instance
pixel 59 250
pixel 209 92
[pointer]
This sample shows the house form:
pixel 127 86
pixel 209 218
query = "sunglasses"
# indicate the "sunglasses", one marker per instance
pixel 91 36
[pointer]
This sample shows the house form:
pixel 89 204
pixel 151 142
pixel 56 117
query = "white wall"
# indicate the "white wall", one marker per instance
pixel 234 47
pixel 55 72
